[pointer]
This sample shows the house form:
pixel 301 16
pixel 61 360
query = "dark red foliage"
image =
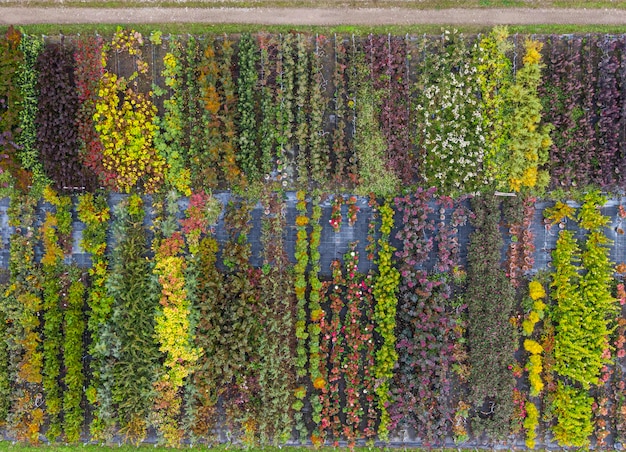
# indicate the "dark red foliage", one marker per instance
pixel 568 93
pixel 57 131
pixel 89 71
pixel 609 171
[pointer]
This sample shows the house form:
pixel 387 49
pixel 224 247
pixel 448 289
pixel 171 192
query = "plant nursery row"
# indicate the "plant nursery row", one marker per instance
pixel 421 158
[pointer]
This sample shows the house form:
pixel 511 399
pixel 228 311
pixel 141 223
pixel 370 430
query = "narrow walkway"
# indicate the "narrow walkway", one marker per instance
pixel 307 16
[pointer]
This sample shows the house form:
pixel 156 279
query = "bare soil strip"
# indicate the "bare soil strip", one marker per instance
pixel 309 16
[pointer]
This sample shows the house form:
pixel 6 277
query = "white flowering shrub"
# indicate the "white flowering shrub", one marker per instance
pixel 450 138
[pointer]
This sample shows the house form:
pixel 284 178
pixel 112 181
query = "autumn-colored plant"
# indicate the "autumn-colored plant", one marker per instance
pixel 336 218
pixel 300 287
pixel 124 119
pixel 172 329
pixel 22 306
pixel 88 71
pixel 55 230
pixel 10 98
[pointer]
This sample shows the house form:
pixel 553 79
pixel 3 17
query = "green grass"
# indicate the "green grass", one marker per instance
pixel 414 4
pixel 399 30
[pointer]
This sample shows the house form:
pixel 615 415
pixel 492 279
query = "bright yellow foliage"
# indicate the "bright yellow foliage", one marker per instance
pixel 533 347
pixel 536 290
pixel 124 119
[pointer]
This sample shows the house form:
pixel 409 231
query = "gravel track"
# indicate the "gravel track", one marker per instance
pixel 308 16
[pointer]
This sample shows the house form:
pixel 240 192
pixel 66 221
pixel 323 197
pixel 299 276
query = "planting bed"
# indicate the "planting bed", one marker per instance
pixel 293 238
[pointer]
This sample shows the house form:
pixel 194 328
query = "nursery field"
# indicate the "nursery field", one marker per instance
pixel 321 239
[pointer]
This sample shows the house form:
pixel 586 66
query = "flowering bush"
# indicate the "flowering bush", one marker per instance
pixel 449 120
pixel 332 348
pixel 335 214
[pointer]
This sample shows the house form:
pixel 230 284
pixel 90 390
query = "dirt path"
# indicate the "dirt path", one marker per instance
pixel 306 16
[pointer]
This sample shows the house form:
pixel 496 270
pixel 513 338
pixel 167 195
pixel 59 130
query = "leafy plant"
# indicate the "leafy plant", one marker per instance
pixel 94 212
pixel 369 142
pixel 416 234
pixel 319 152
pixel 87 73
pixel 579 349
pixel 528 141
pixel 208 382
pixel 267 132
pixel 242 327
pixel 491 337
pixel 339 151
pixel 302 108
pixel 388 60
pixel 11 59
pixel 56 229
pixel 277 372
pixel 247 157
pixel 172 331
pixel 170 138
pixel 426 334
pixel 568 92
pixel 30 47
pixel 494 74
pixel 520 259
pixel 385 289
pixel 124 119
pixel 572 407
pixel 530 424
pixel 73 352
pixel 129 334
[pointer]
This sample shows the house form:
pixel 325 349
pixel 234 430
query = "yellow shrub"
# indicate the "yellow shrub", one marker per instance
pixel 536 290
